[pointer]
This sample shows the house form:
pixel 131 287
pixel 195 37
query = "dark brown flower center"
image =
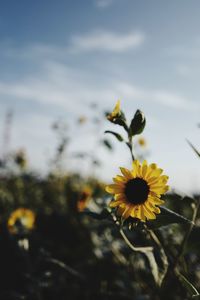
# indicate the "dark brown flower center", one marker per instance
pixel 136 191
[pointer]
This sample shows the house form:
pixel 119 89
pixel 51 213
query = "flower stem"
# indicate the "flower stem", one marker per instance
pixel 187 234
pixel 190 287
pixel 132 247
pixel 163 255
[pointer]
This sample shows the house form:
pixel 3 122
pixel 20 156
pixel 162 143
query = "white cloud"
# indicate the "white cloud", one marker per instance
pixel 103 3
pixel 71 89
pixel 103 40
pixel 162 97
pixel 97 40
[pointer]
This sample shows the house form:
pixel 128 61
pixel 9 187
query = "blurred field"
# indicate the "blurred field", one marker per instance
pixel 59 240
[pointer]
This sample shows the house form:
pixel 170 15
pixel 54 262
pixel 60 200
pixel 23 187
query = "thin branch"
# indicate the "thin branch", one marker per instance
pixel 131 246
pixel 68 269
pixel 193 291
pixel 187 234
pixel 162 255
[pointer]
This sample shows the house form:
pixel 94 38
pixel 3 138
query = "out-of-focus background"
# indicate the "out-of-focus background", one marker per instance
pixel 69 61
pixel 63 67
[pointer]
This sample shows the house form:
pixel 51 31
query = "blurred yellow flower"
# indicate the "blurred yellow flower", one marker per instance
pixel 21 217
pixel 82 120
pixel 84 199
pixel 115 113
pixel 137 191
pixel 142 142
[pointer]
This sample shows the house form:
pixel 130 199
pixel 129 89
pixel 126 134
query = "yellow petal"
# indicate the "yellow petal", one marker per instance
pixel 127 212
pixel 156 200
pixel 119 178
pixel 159 189
pixel 144 168
pixel 115 203
pixel 152 207
pixel 140 213
pixel 133 211
pixel 120 183
pixel 139 171
pixel 114 189
pixel 116 109
pixel 143 218
pixel 126 173
pixel 148 213
pixel 163 179
pixel 120 197
pixel 152 180
pixel 153 171
pixel 135 164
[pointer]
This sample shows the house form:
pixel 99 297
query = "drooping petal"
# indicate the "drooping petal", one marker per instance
pixel 140 213
pixel 148 213
pixel 152 207
pixel 127 212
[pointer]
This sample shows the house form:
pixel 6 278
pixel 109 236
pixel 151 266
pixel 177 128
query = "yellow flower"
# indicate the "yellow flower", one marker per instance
pixel 137 191
pixel 84 199
pixel 142 142
pixel 115 113
pixel 21 217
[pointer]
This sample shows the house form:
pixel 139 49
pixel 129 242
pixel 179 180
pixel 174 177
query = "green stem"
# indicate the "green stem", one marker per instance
pixel 187 234
pixel 163 255
pixel 193 291
pixel 130 145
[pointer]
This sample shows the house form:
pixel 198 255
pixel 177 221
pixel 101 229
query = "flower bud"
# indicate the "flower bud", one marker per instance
pixel 137 124
pixel 117 116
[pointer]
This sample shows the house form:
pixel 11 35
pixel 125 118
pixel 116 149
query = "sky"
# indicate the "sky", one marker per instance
pixel 58 57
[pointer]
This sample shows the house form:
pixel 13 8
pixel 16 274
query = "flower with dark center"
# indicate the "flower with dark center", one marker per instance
pixel 21 219
pixel 137 191
pixel 137 187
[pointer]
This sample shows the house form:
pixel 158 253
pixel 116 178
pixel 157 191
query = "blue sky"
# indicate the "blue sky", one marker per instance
pixel 58 57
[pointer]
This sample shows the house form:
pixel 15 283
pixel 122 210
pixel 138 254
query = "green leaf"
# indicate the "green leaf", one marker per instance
pixel 195 150
pixel 167 217
pixel 117 135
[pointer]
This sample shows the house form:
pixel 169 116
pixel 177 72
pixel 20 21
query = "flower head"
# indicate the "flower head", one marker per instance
pixel 21 218
pixel 142 142
pixel 84 199
pixel 137 191
pixel 115 113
